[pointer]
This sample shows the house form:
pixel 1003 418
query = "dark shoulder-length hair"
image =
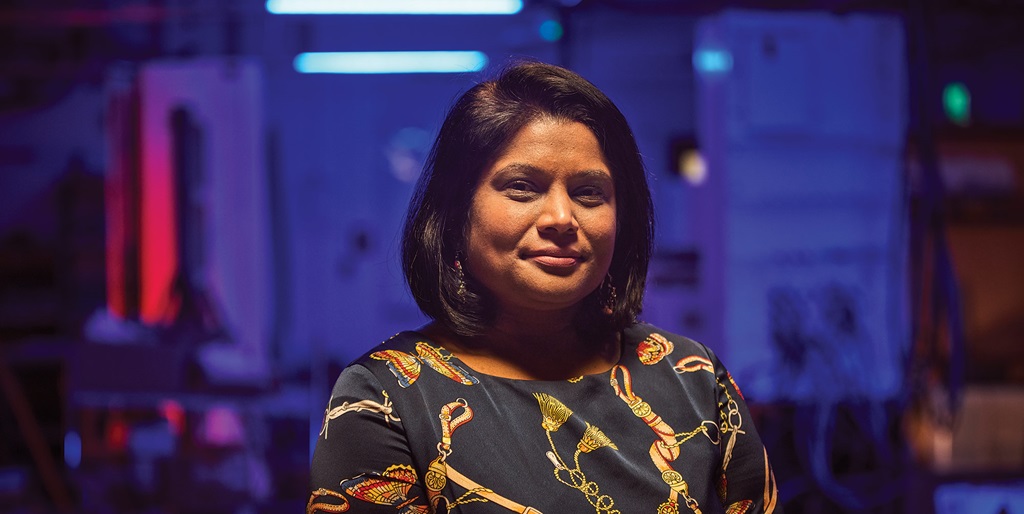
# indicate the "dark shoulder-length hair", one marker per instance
pixel 476 131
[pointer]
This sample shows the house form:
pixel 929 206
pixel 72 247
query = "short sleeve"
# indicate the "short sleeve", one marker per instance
pixel 362 461
pixel 746 483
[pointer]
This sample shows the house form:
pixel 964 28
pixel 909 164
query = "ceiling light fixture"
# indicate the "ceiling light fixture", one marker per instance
pixel 390 62
pixel 394 6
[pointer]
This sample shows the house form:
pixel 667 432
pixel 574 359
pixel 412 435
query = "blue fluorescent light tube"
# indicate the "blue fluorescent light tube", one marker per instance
pixel 390 62
pixel 394 6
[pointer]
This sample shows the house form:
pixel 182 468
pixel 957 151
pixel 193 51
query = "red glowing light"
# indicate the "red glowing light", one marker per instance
pixel 174 413
pixel 117 434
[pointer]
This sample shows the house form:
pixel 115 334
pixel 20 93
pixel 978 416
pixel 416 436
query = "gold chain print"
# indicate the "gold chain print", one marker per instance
pixel 406 367
pixel 654 348
pixel 313 506
pixel 730 420
pixel 553 415
pixel 390 487
pixel 665 449
pixel 439 471
pixel 386 408
pixel 771 489
pixel 731 423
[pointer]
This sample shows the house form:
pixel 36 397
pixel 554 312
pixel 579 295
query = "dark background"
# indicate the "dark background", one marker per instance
pixel 195 237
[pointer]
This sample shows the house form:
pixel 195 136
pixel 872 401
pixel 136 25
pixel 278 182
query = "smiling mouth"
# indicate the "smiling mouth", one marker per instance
pixel 557 261
pixel 555 258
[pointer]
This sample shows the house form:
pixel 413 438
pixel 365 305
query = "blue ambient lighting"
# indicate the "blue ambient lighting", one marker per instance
pixel 390 62
pixel 394 6
pixel 712 60
pixel 72 449
pixel 551 30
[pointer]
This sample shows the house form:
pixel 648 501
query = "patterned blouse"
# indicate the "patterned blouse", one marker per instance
pixel 411 429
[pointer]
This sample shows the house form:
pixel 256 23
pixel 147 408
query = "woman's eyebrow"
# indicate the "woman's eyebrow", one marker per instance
pixel 516 168
pixel 519 167
pixel 595 174
pixel 598 175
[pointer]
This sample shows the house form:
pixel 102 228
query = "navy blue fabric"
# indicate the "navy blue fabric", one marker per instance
pixel 384 428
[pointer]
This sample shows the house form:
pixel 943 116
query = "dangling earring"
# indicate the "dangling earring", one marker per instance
pixel 607 294
pixel 461 291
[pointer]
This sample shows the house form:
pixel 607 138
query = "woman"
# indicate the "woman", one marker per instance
pixel 534 389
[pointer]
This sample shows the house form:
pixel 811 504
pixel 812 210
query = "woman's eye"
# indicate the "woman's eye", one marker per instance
pixel 591 194
pixel 520 190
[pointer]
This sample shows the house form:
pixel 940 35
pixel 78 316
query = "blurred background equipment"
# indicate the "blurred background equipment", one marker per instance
pixel 803 135
pixel 801 122
pixel 188 220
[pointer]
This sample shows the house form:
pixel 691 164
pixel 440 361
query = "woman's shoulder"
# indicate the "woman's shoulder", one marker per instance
pixel 393 348
pixel 363 369
pixel 404 341
pixel 405 355
pixel 659 352
pixel 652 345
pixel 641 334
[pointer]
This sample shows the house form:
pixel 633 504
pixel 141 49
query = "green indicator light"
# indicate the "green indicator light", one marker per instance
pixel 956 101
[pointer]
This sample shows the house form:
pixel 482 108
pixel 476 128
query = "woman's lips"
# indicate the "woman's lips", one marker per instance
pixel 556 261
pixel 555 257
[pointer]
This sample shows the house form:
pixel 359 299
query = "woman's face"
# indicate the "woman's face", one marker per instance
pixel 542 219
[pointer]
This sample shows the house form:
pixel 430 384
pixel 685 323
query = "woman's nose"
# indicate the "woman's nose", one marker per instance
pixel 557 214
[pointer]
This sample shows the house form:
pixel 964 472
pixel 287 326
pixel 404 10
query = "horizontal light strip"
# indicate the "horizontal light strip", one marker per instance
pixel 394 6
pixel 390 62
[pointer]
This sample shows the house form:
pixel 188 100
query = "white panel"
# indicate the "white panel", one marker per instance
pixel 224 97
pixel 776 89
pixel 798 222
pixel 805 172
pixel 762 232
pixel 819 322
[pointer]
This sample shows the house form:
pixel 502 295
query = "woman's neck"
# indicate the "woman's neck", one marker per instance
pixel 537 346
